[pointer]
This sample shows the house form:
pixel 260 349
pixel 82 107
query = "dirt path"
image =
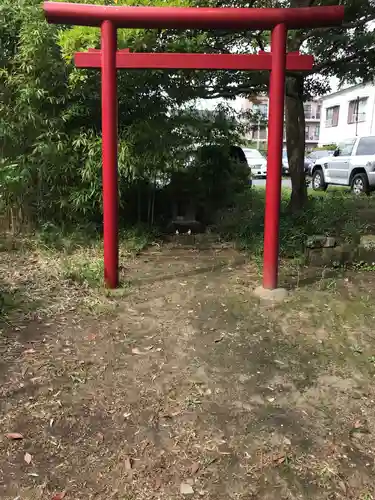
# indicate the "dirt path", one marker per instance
pixel 191 388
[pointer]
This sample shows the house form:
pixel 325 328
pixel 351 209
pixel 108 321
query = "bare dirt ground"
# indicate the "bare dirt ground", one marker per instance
pixel 182 385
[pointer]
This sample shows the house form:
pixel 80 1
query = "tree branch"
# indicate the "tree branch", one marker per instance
pixel 227 92
pixel 259 40
pixel 343 60
pixel 346 26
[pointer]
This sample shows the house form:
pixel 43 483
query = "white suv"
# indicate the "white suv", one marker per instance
pixel 352 164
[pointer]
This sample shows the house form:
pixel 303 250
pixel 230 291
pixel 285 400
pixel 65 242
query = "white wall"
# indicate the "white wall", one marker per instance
pixel 345 130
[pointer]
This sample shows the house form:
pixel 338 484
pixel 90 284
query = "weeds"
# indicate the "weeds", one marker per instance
pixel 366 496
pixel 335 213
pixel 60 266
pixel 83 270
pixel 364 266
pixel 137 239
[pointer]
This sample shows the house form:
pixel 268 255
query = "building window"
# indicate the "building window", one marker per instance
pixel 332 116
pixel 357 110
pixel 318 111
pixel 262 109
pixel 307 108
pixel 312 133
pixel 366 146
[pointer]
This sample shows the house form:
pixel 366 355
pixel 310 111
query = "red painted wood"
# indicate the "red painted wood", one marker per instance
pixel 274 157
pixel 263 61
pixel 192 17
pixel 109 152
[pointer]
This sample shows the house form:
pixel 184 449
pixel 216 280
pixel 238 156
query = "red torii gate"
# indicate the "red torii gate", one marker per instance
pixel 109 59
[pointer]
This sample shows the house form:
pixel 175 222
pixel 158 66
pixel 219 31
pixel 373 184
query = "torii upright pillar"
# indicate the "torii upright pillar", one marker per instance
pixel 109 152
pixel 274 157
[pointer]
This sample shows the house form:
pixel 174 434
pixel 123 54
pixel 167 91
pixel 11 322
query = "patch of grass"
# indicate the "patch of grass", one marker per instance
pixel 9 300
pixel 55 266
pixel 86 265
pixel 77 253
pixel 65 239
pixel 18 298
pixel 335 213
pixel 84 270
pixel 51 238
pixel 137 239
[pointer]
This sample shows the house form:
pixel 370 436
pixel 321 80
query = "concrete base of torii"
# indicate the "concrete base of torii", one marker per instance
pixel 275 295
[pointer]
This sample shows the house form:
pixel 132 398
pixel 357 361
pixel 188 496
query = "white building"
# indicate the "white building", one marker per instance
pixel 259 132
pixel 350 112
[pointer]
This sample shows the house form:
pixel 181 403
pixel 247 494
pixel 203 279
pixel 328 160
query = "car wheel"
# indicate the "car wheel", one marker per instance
pixel 317 182
pixel 360 184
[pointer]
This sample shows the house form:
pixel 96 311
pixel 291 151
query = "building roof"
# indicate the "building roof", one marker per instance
pixel 341 91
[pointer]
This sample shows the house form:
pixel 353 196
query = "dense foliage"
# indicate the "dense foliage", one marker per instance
pixel 50 111
pixel 51 132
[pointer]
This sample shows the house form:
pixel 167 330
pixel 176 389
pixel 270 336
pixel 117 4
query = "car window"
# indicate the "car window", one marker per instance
pixel 315 155
pixel 322 154
pixel 345 148
pixel 366 146
pixel 253 153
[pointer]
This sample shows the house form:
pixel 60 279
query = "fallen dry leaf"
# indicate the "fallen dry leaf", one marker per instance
pixel 27 458
pixel 357 424
pixel 14 435
pixel 59 496
pixel 29 351
pixel 128 463
pixel 135 350
pixel 360 428
pixel 186 489
pixel 343 487
pixel 194 468
pixel 279 459
pixel 100 437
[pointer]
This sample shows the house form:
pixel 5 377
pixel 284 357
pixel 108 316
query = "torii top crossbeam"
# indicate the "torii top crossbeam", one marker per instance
pixel 192 17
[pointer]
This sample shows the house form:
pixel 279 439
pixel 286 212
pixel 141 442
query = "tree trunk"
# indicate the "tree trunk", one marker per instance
pixel 295 122
pixel 295 140
pixel 139 202
pixel 149 202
